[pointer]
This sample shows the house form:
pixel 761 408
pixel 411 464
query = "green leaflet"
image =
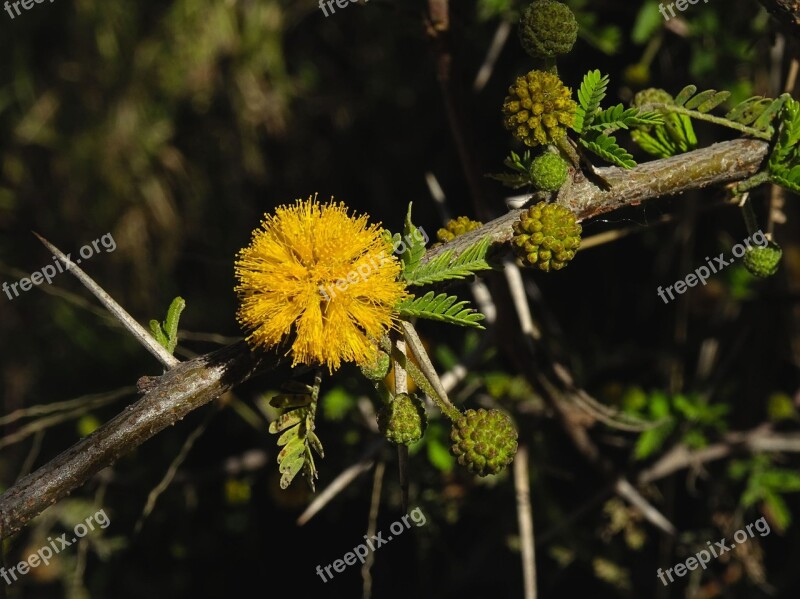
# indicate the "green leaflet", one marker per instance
pixel 658 144
pixel 166 333
pixel 756 112
pixel 444 267
pixel 752 117
pixel 590 94
pixel 297 438
pixel 442 307
pixel 618 117
pixel 595 125
pixel 784 161
pixel 413 243
pixel 520 165
pixel 702 102
pixel 607 148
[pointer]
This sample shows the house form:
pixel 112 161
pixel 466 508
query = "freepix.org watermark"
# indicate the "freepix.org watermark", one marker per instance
pixel 703 557
pixel 46 553
pixel 361 551
pixel 681 5
pixel 48 273
pixel 702 273
pixel 339 3
pixel 363 272
pixel 26 4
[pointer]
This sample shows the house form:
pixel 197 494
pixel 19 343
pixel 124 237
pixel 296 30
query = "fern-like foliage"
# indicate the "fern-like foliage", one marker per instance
pixel 443 308
pixel 166 333
pixel 618 117
pixel 703 102
pixel 607 148
pixel 413 243
pixel 594 124
pixel 675 136
pixel 752 117
pixel 520 167
pixel 757 112
pixel 590 94
pixel 784 161
pixel 445 267
pixel 297 439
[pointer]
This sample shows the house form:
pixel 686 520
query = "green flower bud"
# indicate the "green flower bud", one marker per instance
pixel 549 171
pixel 547 29
pixel 484 441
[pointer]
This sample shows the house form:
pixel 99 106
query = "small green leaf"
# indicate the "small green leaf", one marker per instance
pixel 414 245
pixel 606 147
pixel 296 446
pixel 590 94
pixel 315 444
pixel 158 333
pixel 289 469
pixel 287 436
pixel 709 97
pixel 286 420
pixel 444 267
pixel 167 333
pixel 442 307
pixel 686 93
pixel 779 511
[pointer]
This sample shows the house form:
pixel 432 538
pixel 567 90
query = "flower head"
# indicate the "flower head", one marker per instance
pixel 547 29
pixel 546 236
pixel 539 108
pixel 455 227
pixel 324 278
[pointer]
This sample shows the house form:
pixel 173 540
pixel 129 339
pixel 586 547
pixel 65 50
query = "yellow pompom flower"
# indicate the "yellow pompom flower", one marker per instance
pixel 539 108
pixel 324 280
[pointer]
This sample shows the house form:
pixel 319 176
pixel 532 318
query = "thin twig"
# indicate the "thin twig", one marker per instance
pixel 401 386
pixel 169 475
pixel 135 329
pixel 85 401
pixel 339 483
pixel 498 43
pixel 525 521
pixel 628 492
pixel 372 526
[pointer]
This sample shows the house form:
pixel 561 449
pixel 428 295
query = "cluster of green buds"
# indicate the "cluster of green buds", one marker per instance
pixel 483 441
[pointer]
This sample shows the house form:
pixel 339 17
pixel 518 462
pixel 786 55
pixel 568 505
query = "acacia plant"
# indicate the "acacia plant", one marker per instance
pixel 320 287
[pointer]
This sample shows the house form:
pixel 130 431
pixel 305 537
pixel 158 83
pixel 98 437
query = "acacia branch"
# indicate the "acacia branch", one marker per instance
pixel 192 384
pixel 181 390
pixel 718 164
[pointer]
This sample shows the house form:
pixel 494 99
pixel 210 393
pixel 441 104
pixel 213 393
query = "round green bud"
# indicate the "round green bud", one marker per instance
pixel 379 368
pixel 403 420
pixel 484 441
pixel 652 95
pixel 763 261
pixel 547 29
pixel 549 171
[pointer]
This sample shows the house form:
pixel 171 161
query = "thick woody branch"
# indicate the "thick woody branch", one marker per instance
pixel 194 383
pixel 183 389
pixel 718 164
